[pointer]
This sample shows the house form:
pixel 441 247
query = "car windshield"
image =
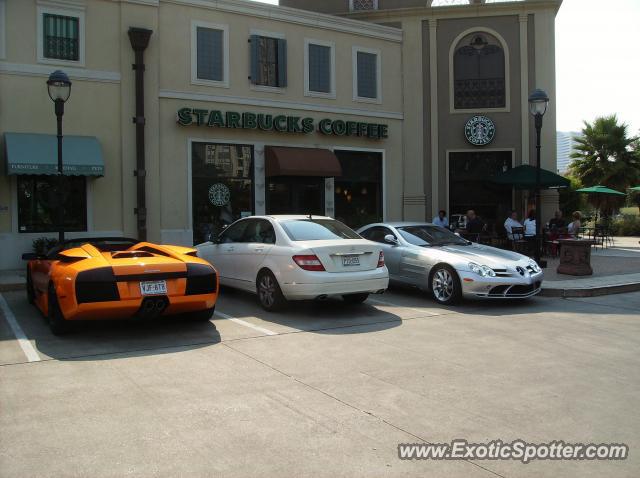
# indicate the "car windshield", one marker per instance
pixel 317 230
pixel 426 235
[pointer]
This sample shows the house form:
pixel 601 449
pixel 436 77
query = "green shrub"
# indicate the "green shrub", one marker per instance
pixel 43 244
pixel 626 226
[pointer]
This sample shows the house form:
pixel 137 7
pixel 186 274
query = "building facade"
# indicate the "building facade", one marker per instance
pixel 468 69
pixel 250 108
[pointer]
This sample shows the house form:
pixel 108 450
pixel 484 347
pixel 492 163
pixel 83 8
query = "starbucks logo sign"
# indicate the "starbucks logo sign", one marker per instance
pixel 479 130
pixel 219 194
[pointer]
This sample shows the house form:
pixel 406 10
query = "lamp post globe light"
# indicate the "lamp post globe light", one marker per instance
pixel 59 88
pixel 538 102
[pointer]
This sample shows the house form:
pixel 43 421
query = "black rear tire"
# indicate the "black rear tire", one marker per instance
pixel 31 295
pixel 444 285
pixel 355 298
pixel 57 322
pixel 269 292
pixel 201 315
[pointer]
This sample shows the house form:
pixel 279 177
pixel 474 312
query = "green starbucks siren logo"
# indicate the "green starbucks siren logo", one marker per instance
pixel 479 130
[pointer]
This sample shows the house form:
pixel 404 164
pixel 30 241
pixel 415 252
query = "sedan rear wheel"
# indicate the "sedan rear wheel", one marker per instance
pixel 269 292
pixel 445 285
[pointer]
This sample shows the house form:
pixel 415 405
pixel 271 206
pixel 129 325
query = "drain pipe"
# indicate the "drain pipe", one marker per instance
pixel 139 38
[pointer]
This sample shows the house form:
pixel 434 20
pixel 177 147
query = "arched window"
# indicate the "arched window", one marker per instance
pixel 479 73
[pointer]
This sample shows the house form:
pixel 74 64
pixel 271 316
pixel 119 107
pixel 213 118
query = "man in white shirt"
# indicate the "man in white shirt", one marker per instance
pixel 510 223
pixel 441 219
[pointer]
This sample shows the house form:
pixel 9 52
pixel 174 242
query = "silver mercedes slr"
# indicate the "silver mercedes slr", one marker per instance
pixel 436 260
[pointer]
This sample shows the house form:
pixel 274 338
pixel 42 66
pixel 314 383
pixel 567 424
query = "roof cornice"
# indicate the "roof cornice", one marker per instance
pixel 458 11
pixel 299 17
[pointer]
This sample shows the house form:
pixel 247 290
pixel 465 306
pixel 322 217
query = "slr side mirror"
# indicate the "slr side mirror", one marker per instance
pixel 391 239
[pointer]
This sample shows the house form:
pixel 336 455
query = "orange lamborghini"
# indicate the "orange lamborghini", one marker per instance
pixel 111 278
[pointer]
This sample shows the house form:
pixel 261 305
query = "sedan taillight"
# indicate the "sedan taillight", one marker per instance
pixel 309 263
pixel 381 259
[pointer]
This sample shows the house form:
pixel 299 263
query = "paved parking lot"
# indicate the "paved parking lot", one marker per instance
pixel 321 389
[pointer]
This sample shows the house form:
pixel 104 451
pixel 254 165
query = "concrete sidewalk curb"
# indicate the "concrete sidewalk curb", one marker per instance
pixel 590 291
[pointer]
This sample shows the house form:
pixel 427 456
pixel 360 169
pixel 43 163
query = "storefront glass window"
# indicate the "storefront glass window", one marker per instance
pixel 38 202
pixel 222 187
pixel 358 192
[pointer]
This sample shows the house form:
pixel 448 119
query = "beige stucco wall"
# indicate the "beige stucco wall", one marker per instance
pixel 102 104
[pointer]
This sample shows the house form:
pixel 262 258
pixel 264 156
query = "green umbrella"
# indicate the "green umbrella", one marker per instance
pixel 524 177
pixel 637 188
pixel 600 190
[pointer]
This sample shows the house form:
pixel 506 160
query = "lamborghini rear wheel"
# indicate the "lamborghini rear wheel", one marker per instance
pixel 57 323
pixel 31 296
pixel 202 315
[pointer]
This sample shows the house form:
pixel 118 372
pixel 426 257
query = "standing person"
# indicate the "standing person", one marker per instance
pixel 530 224
pixel 574 227
pixel 510 223
pixel 475 225
pixel 441 219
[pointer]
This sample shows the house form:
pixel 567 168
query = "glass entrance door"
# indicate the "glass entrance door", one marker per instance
pixel 470 185
pixel 221 187
pixel 295 195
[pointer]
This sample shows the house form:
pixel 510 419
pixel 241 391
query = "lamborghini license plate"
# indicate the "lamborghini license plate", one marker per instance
pixel 158 287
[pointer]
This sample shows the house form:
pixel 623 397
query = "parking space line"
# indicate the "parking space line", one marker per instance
pixel 245 323
pixel 23 341
pixel 391 304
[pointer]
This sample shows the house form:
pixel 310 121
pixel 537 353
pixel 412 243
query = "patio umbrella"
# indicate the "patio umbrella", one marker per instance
pixel 637 188
pixel 524 177
pixel 599 191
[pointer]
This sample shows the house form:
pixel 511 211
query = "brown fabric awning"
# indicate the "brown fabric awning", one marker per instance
pixel 282 161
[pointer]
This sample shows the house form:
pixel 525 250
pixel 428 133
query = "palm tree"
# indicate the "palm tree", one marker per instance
pixel 605 154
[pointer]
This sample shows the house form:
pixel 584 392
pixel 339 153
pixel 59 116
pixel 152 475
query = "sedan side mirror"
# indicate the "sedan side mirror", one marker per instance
pixel 391 239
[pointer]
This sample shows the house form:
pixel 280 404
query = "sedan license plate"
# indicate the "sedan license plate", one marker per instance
pixel 158 287
pixel 350 261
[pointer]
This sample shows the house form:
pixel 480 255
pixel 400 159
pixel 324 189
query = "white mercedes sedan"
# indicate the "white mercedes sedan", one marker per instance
pixel 285 258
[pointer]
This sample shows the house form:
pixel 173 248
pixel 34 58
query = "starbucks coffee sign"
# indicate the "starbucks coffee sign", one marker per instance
pixel 280 123
pixel 479 130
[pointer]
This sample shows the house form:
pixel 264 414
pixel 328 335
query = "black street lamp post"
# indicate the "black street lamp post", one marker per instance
pixel 538 102
pixel 59 88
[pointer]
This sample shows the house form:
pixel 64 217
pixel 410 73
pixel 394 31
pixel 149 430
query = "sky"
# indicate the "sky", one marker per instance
pixel 597 62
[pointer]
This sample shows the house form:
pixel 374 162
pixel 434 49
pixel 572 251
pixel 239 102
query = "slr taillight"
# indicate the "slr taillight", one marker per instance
pixel 309 263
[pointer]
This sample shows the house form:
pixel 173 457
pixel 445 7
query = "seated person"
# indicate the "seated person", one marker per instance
pixel 475 225
pixel 441 219
pixel 530 224
pixel 510 223
pixel 557 223
pixel 574 227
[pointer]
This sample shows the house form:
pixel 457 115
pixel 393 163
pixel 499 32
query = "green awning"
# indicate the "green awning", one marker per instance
pixel 29 153
pixel 524 177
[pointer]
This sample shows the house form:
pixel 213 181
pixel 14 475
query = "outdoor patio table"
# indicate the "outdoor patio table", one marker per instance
pixel 575 257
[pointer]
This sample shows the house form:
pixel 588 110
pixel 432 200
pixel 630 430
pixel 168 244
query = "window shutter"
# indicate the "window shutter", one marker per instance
pixel 282 63
pixel 254 60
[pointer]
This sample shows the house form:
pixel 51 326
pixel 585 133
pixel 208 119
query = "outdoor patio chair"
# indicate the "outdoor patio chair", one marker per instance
pixel 518 241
